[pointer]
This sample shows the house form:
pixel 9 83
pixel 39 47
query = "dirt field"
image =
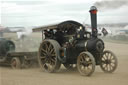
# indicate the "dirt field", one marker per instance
pixel 34 76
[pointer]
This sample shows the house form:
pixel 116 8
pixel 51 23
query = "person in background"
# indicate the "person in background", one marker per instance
pixel 104 31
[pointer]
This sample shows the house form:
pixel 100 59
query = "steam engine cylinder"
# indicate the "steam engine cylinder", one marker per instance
pixel 95 45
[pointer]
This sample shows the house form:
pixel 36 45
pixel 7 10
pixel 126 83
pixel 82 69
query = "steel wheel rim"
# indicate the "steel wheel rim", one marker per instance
pixel 48 56
pixel 108 62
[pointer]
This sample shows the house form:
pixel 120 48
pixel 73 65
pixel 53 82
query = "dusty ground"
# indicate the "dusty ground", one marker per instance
pixel 34 76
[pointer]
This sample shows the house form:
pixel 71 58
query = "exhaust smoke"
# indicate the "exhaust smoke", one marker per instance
pixel 110 4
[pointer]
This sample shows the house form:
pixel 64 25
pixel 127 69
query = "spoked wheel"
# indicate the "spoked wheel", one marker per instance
pixel 86 63
pixel 48 55
pixel 15 63
pixel 70 66
pixel 108 62
pixel 27 63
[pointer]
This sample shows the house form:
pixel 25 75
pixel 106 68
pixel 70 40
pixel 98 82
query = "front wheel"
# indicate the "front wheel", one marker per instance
pixel 15 63
pixel 86 63
pixel 108 62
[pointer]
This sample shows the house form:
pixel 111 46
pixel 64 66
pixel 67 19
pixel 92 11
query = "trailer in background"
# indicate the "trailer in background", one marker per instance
pixel 17 60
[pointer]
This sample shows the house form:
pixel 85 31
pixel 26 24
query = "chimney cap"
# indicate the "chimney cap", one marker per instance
pixel 93 8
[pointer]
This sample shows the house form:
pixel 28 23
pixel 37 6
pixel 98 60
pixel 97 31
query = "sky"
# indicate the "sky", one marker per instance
pixel 45 12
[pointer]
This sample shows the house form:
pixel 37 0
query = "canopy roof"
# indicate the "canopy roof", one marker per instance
pixel 63 26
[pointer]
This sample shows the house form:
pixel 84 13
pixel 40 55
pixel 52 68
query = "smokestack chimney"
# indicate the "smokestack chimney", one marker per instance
pixel 93 13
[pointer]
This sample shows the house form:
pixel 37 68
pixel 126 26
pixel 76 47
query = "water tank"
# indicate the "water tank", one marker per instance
pixel 6 46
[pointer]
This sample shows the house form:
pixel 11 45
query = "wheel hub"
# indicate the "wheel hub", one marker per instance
pixel 107 61
pixel 85 63
pixel 48 57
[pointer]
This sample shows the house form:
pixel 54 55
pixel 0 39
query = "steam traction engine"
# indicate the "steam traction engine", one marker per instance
pixel 68 43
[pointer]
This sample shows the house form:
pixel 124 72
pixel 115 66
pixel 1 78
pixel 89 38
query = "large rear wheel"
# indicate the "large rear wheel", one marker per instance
pixel 86 63
pixel 48 55
pixel 108 62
